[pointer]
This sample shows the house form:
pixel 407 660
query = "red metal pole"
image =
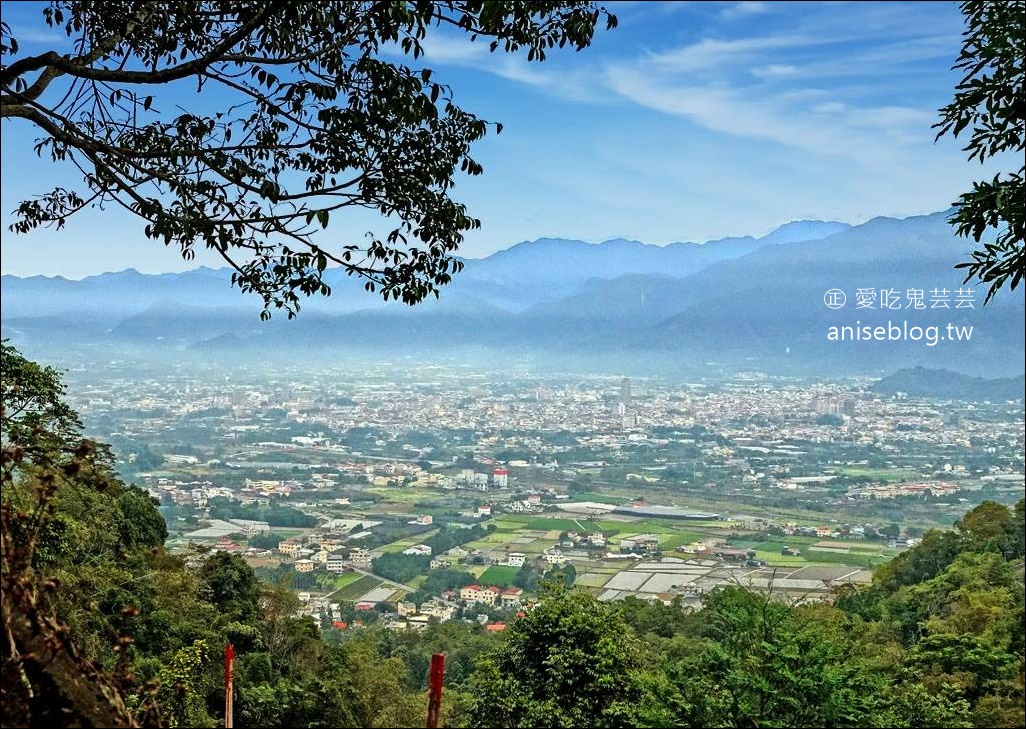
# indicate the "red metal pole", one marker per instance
pixel 229 659
pixel 435 689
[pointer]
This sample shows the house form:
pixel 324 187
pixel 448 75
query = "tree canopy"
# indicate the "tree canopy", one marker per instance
pixel 569 662
pixel 989 103
pixel 243 126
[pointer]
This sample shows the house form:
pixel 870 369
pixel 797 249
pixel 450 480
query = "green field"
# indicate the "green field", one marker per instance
pixel 346 578
pixel 880 474
pixel 357 589
pixel 511 522
pixel 408 542
pixel 404 496
pixel 859 560
pixel 499 575
pixel 854 559
pixel 417 581
pixel 598 498
pixel 670 542
pixel 778 558
pixel 612 527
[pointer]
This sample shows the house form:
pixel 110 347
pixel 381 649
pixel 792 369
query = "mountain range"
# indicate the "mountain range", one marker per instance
pixel 752 302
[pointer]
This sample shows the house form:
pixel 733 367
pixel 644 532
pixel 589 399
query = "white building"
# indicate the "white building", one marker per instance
pixel 418 622
pixel 336 562
pixel 420 550
pixel 510 597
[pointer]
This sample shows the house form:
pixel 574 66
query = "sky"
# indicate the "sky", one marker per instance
pixel 690 121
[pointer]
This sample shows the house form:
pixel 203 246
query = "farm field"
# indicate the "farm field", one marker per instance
pixel 346 578
pixel 355 590
pixel 602 571
pixel 880 474
pixel 499 575
pixel 508 522
pixel 408 542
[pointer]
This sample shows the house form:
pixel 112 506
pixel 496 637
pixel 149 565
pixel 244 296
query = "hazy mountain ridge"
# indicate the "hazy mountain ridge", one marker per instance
pixel 548 269
pixel 760 304
pixel 926 382
pixel 514 278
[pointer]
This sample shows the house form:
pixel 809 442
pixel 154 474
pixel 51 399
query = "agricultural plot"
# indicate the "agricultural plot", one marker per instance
pixel 346 578
pixel 591 579
pixel 813 556
pixel 353 591
pixel 865 547
pixel 546 523
pixel 408 542
pixel 533 534
pixel 599 498
pixel 499 575
pixel 669 542
pixel 627 580
pixel 668 576
pixel 855 559
pixel 533 548
pixel 881 474
pixel 382 593
pixel 405 496
pixel 776 558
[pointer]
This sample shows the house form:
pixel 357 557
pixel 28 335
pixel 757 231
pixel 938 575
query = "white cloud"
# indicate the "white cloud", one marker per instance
pixel 712 54
pixel 872 136
pixel 725 111
pixel 774 70
pixel 40 37
pixel 716 84
pixel 742 9
pixel 456 50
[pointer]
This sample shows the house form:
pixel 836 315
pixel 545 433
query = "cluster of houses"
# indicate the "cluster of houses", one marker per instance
pixel 531 504
pixel 493 596
pixel 445 607
pixel 195 494
pixel 327 553
pixel 898 490
pixel 640 544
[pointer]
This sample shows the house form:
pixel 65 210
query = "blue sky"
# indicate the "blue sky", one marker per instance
pixel 690 121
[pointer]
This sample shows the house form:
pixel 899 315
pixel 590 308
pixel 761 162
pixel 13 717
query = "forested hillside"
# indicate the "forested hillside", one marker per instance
pixel 103 627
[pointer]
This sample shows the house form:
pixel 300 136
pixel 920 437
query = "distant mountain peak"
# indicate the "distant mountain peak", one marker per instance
pixel 801 230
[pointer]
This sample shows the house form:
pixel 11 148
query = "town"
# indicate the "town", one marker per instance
pixel 419 492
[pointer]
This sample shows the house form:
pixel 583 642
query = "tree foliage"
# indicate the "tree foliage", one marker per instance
pixel 569 662
pixel 58 512
pixel 317 111
pixel 989 103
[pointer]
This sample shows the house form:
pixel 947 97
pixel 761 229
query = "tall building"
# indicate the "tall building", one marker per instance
pixel 625 390
pixel 500 477
pixel 825 405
